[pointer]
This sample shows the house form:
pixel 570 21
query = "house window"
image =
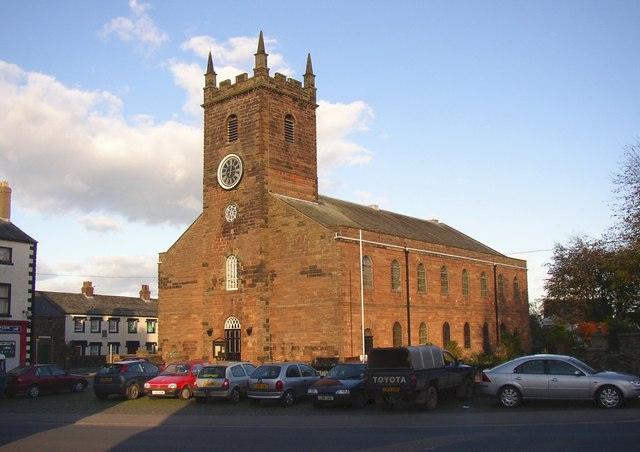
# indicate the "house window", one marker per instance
pixel 422 278
pixel 465 283
pixel 152 347
pixel 444 280
pixel 5 300
pixel 132 347
pixel 232 273
pixel 484 285
pixel 516 290
pixel 132 326
pixel 5 255
pixel 114 348
pixel 232 128
pixel 367 272
pixel 114 325
pixel 94 348
pixel 395 276
pixel 96 323
pixel 151 326
pixel 78 325
pixel 500 288
pixel 289 126
pixel 446 334
pixel 397 335
pixel 467 335
pixel 423 333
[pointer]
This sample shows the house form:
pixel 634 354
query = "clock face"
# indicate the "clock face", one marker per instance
pixel 230 171
pixel 231 212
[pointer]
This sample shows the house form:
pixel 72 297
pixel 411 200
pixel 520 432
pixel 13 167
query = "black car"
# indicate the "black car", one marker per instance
pixel 125 378
pixel 344 384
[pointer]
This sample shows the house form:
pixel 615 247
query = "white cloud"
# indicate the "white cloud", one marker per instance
pixel 65 149
pixel 139 27
pixel 101 224
pixel 106 273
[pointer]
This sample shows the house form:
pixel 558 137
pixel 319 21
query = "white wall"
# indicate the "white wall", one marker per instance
pixel 18 276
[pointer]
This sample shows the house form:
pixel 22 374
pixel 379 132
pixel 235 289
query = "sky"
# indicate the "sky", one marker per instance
pixel 504 120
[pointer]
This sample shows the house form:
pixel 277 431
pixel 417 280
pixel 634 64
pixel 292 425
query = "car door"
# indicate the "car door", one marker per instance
pixel 240 378
pixel 44 379
pixel 454 372
pixel 137 373
pixel 532 379
pixel 294 379
pixel 567 381
pixel 60 380
pixel 309 376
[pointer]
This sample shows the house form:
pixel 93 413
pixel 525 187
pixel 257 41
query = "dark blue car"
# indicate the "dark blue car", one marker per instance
pixel 345 384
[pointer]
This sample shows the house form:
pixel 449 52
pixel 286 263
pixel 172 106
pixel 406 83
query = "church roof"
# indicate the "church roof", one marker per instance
pixel 77 303
pixel 331 212
pixel 12 233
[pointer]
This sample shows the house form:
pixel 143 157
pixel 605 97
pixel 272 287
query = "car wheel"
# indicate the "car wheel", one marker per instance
pixel 185 393
pixel 465 390
pixel 609 397
pixel 288 398
pixel 359 400
pixel 78 387
pixel 201 399
pixel 133 391
pixel 34 391
pixel 431 398
pixel 235 396
pixel 509 397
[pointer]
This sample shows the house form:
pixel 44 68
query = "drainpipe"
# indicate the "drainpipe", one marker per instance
pixel 406 266
pixel 495 302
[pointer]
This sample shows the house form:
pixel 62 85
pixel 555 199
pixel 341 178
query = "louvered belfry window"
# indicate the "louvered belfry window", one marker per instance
pixel 289 128
pixel 232 128
pixel 232 273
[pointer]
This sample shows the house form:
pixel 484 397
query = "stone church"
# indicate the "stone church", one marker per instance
pixel 271 270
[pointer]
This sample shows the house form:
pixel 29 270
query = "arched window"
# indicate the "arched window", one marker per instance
pixel 368 340
pixel 232 273
pixel 486 345
pixel 465 282
pixel 367 272
pixel 516 290
pixel 446 334
pixel 467 335
pixel 484 285
pixel 444 280
pixel 422 333
pixel 422 278
pixel 397 335
pixel 232 128
pixel 500 288
pixel 395 276
pixel 289 128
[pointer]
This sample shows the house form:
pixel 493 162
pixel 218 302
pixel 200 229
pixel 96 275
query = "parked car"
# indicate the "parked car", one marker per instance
pixel 176 380
pixel 344 384
pixel 42 379
pixel 416 374
pixel 281 381
pixel 557 377
pixel 125 378
pixel 228 381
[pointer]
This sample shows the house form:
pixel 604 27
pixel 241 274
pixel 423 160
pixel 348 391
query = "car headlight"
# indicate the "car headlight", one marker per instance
pixel 147 385
pixel 343 391
pixel 172 386
pixel 312 391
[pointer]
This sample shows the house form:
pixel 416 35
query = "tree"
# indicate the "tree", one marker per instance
pixel 627 183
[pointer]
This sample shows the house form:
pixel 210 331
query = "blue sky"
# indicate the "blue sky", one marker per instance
pixel 505 120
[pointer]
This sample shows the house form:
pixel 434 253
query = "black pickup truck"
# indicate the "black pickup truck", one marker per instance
pixel 416 374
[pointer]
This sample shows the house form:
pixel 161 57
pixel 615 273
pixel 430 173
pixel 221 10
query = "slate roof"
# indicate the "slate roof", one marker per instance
pixel 331 213
pixel 12 233
pixel 46 303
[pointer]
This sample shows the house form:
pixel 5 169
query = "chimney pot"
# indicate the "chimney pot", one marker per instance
pixel 145 293
pixel 87 289
pixel 5 201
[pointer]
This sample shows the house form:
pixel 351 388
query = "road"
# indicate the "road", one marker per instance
pixel 80 421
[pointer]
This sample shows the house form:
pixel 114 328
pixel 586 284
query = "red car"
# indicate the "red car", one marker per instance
pixel 176 380
pixel 40 379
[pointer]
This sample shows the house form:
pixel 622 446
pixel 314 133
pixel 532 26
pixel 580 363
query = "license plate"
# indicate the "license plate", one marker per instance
pixel 325 397
pixel 105 380
pixel 213 384
pixel 260 386
pixel 390 389
pixel 157 392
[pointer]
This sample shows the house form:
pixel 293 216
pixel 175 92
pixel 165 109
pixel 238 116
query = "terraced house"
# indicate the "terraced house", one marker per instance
pixel 272 270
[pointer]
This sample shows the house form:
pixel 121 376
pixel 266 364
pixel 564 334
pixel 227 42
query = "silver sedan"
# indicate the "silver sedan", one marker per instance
pixel 557 377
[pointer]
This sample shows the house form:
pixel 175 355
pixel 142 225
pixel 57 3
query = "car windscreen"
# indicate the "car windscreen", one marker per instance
pixel 176 369
pixel 347 372
pixel 18 370
pixel 110 369
pixel 266 372
pixel 394 358
pixel 213 372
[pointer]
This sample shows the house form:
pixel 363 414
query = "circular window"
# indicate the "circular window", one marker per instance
pixel 231 212
pixel 230 171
